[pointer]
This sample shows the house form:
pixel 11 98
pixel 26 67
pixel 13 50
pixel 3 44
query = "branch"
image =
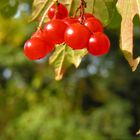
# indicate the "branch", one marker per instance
pixel 44 15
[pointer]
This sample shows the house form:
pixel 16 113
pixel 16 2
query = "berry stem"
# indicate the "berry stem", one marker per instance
pixel 56 11
pixel 82 11
pixel 75 13
pixel 44 15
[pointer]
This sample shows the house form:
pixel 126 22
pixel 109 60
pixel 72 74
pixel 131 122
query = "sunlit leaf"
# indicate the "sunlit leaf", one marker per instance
pixel 128 9
pixel 138 133
pixel 103 9
pixel 75 56
pixel 63 57
pixel 38 6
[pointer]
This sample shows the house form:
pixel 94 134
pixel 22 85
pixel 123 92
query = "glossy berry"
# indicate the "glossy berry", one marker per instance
pixel 54 31
pixel 49 47
pixel 38 34
pixel 35 49
pixel 58 11
pixel 99 44
pixel 70 20
pixel 48 44
pixel 77 36
pixel 88 15
pixel 94 25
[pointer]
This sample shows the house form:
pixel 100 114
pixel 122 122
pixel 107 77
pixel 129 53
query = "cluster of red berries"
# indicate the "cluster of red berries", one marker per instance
pixel 84 31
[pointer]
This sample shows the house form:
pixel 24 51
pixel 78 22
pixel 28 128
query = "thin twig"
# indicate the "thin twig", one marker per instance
pixel 75 13
pixel 44 15
pixel 82 11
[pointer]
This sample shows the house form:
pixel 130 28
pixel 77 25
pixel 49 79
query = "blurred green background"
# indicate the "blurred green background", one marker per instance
pixel 98 101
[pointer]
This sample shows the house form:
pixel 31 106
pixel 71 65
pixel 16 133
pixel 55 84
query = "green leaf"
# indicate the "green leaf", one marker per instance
pixel 75 56
pixel 128 9
pixel 38 6
pixel 63 57
pixel 102 9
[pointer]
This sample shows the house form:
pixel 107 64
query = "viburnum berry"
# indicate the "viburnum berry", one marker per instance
pixel 99 44
pixel 49 47
pixel 54 31
pixel 88 15
pixel 48 44
pixel 58 11
pixel 77 36
pixel 70 20
pixel 35 48
pixel 94 25
pixel 38 34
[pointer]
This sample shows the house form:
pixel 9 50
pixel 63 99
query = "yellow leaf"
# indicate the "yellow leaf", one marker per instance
pixel 138 133
pixel 128 9
pixel 63 57
pixel 38 6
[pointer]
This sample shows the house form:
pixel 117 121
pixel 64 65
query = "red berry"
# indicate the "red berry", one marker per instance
pixel 58 11
pixel 49 47
pixel 99 44
pixel 86 16
pixel 54 31
pixel 38 34
pixel 77 36
pixel 35 48
pixel 70 20
pixel 94 25
pixel 48 44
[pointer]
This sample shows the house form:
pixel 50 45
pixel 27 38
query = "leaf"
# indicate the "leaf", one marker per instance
pixel 102 9
pixel 128 9
pixel 38 6
pixel 75 56
pixel 138 133
pixel 63 57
